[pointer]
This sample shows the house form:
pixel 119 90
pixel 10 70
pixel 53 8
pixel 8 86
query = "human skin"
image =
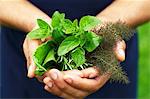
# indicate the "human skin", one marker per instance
pixel 133 13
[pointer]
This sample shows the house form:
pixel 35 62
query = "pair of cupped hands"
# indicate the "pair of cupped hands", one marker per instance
pixel 72 84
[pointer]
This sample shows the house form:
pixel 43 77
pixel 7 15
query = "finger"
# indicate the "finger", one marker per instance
pixel 91 72
pixel 57 77
pixel 87 84
pixel 48 81
pixel 31 71
pixel 51 87
pixel 73 72
pixel 120 50
pixel 39 78
pixel 56 91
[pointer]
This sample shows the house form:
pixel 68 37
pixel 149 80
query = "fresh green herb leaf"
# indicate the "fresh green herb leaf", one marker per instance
pixel 38 34
pixel 78 56
pixel 92 41
pixel 42 24
pixel 82 39
pixel 57 19
pixel 75 24
pixel 58 35
pixel 88 22
pixel 67 45
pixel 41 53
pixel 50 56
pixel 68 27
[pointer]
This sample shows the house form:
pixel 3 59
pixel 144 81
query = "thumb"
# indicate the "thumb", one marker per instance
pixel 91 72
pixel 32 45
pixel 31 70
pixel 120 50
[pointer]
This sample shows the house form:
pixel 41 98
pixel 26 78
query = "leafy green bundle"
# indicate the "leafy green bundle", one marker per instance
pixel 69 43
pixel 78 45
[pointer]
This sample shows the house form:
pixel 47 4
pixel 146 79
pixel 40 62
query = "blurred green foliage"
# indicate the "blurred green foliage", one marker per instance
pixel 144 62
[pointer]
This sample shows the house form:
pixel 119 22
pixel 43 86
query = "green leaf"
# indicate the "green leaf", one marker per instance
pixel 50 57
pixel 42 24
pixel 78 56
pixel 67 45
pixel 88 22
pixel 75 23
pixel 58 35
pixel 82 39
pixel 82 42
pixel 41 53
pixel 68 27
pixel 38 34
pixel 57 19
pixel 92 41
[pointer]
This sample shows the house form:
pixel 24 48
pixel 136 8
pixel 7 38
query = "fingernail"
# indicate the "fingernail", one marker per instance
pixel 46 80
pixel 54 75
pixel 50 84
pixel 122 54
pixel 68 80
pixel 46 87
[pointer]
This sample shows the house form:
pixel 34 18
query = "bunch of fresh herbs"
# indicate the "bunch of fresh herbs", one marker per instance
pixel 69 44
pixel 78 45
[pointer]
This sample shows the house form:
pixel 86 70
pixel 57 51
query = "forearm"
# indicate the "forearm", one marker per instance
pixel 20 14
pixel 132 12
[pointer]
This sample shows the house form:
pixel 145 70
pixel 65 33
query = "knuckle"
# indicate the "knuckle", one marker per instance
pixel 62 87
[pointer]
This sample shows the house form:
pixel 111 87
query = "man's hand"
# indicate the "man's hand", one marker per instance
pixel 79 84
pixel 74 84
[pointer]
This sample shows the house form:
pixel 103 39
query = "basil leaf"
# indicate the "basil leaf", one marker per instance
pixel 92 41
pixel 68 27
pixel 42 24
pixel 41 53
pixel 78 56
pixel 57 19
pixel 88 22
pixel 50 56
pixel 67 45
pixel 58 35
pixel 83 40
pixel 75 23
pixel 38 34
